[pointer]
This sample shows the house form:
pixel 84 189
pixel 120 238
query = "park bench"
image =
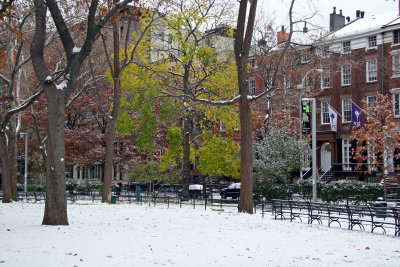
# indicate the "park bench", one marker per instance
pixel 355 215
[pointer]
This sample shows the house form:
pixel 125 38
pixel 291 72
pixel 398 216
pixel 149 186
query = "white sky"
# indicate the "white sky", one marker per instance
pixel 279 9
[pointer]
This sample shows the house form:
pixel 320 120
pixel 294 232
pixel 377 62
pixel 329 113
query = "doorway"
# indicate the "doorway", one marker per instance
pixel 326 157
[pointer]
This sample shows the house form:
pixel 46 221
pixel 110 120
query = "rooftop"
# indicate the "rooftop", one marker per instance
pixel 370 24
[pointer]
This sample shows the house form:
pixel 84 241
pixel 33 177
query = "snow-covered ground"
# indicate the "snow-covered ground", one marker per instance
pixel 134 235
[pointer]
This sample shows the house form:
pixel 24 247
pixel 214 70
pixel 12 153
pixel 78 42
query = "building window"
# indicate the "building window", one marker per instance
pixel 371 100
pixel 371 158
pixel 396 37
pixel 372 42
pixel 396 105
pixel 326 78
pixel 396 65
pixel 305 59
pixel 252 87
pixel 287 82
pixel 307 81
pixel 91 172
pixel 346 145
pixel 287 112
pixel 325 112
pixel 346 75
pixel 346 47
pixel 346 110
pixel 372 70
pixel 222 126
pixel 324 52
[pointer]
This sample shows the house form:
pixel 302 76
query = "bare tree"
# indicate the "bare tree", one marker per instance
pixel 57 94
pixel 15 30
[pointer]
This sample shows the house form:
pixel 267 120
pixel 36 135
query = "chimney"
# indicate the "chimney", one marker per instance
pixel 362 14
pixel 305 29
pixel 358 12
pixel 337 21
pixel 282 36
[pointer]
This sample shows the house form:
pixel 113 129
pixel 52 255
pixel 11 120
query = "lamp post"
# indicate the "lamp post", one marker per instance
pixel 313 133
pixel 301 87
pixel 314 147
pixel 26 161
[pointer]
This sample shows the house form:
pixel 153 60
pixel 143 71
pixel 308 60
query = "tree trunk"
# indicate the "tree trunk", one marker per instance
pixel 12 155
pixel 5 162
pixel 55 211
pixel 109 163
pixel 242 47
pixel 109 157
pixel 246 158
pixel 186 157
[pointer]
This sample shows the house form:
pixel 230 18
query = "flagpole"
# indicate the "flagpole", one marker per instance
pixel 335 110
pixel 355 105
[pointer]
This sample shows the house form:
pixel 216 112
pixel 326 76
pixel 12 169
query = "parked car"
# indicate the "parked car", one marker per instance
pixel 232 191
pixel 195 191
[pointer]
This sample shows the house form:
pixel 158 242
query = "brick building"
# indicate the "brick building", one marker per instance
pixel 357 59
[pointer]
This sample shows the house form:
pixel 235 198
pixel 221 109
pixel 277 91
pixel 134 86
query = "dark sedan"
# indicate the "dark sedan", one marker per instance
pixel 232 191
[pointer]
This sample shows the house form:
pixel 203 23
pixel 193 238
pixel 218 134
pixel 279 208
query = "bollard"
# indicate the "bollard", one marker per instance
pixel 262 207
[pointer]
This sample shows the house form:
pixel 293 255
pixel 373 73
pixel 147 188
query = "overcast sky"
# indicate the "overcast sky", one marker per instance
pixel 279 9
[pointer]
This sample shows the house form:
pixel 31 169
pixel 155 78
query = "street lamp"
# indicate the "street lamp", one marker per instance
pixel 313 133
pixel 301 87
pixel 314 147
pixel 26 161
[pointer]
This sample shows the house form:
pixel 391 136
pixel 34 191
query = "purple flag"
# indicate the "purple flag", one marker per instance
pixel 355 116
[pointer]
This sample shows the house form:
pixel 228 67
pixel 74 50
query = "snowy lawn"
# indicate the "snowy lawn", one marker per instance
pixel 134 235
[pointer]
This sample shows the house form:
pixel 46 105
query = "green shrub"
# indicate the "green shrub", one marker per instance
pixel 276 191
pixel 305 188
pixel 71 185
pixel 351 191
pixel 95 187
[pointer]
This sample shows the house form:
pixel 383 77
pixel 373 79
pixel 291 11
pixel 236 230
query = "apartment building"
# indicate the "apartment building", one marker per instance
pixel 357 60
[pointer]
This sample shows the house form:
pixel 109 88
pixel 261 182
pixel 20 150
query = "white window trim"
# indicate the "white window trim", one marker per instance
pixel 372 47
pixel 343 116
pixel 322 77
pixel 368 102
pixel 395 53
pixel 395 44
pixel 343 50
pixel 222 127
pixel 305 58
pixel 322 113
pixel 251 87
pixel 367 70
pixel 395 91
pixel 342 75
pixel 346 158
